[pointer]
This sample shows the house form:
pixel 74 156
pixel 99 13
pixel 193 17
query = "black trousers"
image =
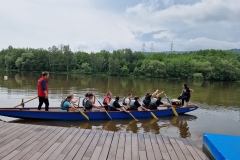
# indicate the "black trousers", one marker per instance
pixel 45 101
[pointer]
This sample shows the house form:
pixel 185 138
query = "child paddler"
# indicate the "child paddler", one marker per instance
pixel 135 104
pixel 90 103
pixel 148 97
pixel 156 102
pixel 116 106
pixel 107 100
pixel 67 106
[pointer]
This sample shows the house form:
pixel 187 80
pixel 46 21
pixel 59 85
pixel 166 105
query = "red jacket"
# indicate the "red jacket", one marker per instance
pixel 40 88
pixel 105 101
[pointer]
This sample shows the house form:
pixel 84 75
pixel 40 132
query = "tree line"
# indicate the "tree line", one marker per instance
pixel 203 64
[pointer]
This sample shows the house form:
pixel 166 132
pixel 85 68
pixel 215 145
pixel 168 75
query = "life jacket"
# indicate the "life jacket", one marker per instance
pixel 111 102
pixel 132 104
pixel 186 92
pixel 123 101
pixel 153 103
pixel 62 106
pixel 40 89
pixel 88 105
pixel 104 101
pixel 84 101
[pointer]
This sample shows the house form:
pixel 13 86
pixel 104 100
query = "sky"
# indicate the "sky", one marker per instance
pixel 94 25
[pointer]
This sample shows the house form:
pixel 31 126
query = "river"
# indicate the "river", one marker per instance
pixel 217 101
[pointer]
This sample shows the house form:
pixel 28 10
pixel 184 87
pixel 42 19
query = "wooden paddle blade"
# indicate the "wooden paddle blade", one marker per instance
pixel 154 116
pixel 84 115
pixel 174 111
pixel 108 114
pixel 133 116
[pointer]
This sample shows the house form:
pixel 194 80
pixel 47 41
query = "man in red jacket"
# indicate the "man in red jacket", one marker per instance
pixel 43 91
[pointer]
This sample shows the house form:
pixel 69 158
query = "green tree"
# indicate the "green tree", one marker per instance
pixel 86 68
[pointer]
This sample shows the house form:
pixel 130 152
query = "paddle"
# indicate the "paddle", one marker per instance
pixel 84 115
pixel 82 111
pixel 105 110
pixel 154 116
pixel 26 102
pixel 133 116
pixel 173 109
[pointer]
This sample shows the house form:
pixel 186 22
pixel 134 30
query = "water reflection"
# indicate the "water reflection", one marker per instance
pixel 216 93
pixel 216 100
pixel 142 126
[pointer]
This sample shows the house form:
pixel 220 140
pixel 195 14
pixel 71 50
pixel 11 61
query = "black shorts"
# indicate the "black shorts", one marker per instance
pixel 186 98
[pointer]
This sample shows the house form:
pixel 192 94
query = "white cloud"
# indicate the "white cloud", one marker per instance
pixel 164 34
pixel 209 18
pixel 85 26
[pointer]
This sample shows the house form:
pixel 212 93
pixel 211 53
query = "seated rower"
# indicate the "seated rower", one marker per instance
pixel 107 100
pixel 84 100
pixel 135 104
pixel 116 106
pixel 126 101
pixel 66 105
pixel 156 102
pixel 148 97
pixel 90 103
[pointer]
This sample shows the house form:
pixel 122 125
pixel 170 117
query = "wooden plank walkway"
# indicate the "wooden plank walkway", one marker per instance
pixel 32 142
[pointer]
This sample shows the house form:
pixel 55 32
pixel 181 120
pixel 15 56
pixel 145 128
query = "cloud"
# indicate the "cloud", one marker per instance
pixel 93 26
pixel 214 21
pixel 164 34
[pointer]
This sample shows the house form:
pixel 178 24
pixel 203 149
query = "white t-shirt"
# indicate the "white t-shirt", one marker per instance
pixel 127 101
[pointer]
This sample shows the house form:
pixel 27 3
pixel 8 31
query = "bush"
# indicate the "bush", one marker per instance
pixel 197 76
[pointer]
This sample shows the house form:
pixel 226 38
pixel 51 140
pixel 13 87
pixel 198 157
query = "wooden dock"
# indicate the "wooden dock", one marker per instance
pixel 32 142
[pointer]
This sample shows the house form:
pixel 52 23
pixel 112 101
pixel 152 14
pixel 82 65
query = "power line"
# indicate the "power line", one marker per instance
pixel 143 49
pixel 171 46
pixel 151 48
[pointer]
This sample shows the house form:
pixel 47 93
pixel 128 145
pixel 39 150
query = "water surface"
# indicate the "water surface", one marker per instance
pixel 218 102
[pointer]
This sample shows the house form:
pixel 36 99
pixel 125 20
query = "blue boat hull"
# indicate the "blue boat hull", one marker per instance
pixel 27 113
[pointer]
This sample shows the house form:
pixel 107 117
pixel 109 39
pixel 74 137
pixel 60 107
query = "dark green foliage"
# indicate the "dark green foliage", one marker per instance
pixel 202 64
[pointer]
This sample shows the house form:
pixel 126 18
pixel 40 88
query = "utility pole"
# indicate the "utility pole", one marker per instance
pixel 171 46
pixel 151 48
pixel 143 49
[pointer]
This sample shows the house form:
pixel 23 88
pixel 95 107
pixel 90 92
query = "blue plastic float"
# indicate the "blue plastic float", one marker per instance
pixel 222 147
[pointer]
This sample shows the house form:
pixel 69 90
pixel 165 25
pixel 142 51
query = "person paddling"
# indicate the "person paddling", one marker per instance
pixel 135 104
pixel 126 101
pixel 116 106
pixel 185 95
pixel 84 100
pixel 156 102
pixel 90 103
pixel 67 106
pixel 107 100
pixel 148 97
pixel 43 91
